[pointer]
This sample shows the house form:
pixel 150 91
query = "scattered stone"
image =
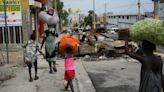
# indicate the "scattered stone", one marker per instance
pixel 123 68
pixel 89 58
pixel 102 57
pixel 86 56
pixel 6 73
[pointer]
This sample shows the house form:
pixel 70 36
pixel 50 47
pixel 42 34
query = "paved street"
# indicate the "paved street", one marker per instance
pixel 114 75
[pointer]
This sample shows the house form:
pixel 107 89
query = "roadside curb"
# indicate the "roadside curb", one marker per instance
pixel 83 82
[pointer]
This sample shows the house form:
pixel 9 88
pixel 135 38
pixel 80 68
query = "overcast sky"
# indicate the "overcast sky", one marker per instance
pixel 116 6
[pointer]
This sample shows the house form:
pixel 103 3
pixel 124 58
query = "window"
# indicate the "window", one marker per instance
pixel 127 17
pixel 122 17
pixel 12 35
pixel 119 17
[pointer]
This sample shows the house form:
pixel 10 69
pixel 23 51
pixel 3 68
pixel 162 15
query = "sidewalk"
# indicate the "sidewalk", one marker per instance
pixel 47 82
pixel 82 78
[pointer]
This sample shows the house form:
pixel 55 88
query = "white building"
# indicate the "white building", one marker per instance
pixel 122 21
pixel 161 10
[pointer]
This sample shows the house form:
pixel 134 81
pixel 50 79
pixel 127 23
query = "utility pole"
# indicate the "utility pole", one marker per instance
pixel 55 5
pixel 105 15
pixel 156 9
pixel 139 10
pixel 57 25
pixel 94 20
pixel 6 33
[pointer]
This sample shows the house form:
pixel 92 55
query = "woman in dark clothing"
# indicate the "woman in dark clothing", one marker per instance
pixel 151 78
pixel 50 48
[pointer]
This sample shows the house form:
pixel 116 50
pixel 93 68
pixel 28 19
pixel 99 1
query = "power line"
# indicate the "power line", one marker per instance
pixel 130 5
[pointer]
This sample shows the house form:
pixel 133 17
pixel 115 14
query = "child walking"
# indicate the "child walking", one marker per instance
pixel 69 68
pixel 31 49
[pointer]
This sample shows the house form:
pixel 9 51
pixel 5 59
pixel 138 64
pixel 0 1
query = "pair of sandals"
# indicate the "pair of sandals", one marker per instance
pixel 65 88
pixel 36 78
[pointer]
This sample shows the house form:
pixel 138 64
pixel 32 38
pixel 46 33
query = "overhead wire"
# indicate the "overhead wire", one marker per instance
pixel 130 6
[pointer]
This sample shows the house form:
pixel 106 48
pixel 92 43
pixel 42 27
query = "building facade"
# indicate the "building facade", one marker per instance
pixel 13 32
pixel 122 21
pixel 22 19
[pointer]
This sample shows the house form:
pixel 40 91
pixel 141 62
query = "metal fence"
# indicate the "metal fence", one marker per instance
pixel 14 35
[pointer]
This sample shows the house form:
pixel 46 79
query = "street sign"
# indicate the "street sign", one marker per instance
pixel 13 12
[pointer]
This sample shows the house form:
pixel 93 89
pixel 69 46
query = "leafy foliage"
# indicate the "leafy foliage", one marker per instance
pixel 88 19
pixel 61 12
pixel 148 29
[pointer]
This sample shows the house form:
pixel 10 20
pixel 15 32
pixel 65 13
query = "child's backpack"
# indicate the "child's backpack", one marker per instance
pixel 30 52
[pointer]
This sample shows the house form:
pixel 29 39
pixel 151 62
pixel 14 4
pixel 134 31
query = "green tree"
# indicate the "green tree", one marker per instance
pixel 88 19
pixel 63 15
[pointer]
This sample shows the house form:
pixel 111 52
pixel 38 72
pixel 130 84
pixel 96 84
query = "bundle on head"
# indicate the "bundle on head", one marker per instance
pixel 149 29
pixel 50 17
pixel 68 41
pixel 50 11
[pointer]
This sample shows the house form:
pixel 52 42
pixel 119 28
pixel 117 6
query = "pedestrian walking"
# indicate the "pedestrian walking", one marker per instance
pixel 69 68
pixel 30 54
pixel 151 77
pixel 68 48
pixel 50 48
